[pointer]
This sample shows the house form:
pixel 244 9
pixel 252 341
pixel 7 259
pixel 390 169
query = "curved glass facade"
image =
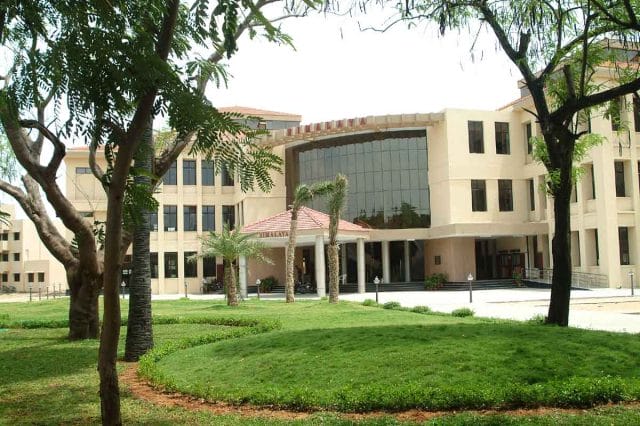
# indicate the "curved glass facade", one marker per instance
pixel 387 172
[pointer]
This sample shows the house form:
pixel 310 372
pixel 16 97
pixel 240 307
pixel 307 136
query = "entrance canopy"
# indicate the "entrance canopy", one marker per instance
pixel 274 230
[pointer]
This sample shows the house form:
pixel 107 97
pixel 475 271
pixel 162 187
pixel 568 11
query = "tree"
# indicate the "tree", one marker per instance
pixel 559 48
pixel 230 245
pixel 336 199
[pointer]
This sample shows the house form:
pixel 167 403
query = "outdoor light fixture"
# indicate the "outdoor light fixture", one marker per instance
pixel 631 278
pixel 376 281
pixel 186 286
pixel 122 284
pixel 258 287
pixel 470 279
pixel 30 289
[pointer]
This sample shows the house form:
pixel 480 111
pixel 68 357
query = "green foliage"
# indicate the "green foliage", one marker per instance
pixel 370 302
pixel 538 319
pixel 392 305
pixel 435 281
pixel 267 284
pixel 421 309
pixel 231 244
pixel 462 312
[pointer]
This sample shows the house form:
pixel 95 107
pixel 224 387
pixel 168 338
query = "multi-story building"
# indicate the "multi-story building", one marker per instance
pixel 454 192
pixel 25 263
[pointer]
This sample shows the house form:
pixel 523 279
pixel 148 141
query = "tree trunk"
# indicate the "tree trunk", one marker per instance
pixel 84 320
pixel 139 324
pixel 561 250
pixel 334 290
pixel 291 256
pixel 230 284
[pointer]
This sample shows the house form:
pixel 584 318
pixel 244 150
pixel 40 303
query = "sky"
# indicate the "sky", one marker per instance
pixel 339 71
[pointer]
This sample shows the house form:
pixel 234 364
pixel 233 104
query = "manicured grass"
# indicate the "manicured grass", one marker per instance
pixel 45 379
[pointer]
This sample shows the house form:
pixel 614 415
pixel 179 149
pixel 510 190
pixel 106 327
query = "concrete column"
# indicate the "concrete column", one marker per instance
pixel 361 271
pixel 386 269
pixel 242 276
pixel 343 260
pixel 319 260
pixel 407 262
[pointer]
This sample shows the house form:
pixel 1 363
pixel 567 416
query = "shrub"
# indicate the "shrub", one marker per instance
pixel 369 302
pixel 435 281
pixel 392 305
pixel 421 309
pixel 537 319
pixel 462 312
pixel 267 284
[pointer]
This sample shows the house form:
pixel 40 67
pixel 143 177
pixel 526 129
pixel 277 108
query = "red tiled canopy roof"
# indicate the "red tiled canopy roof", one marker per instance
pixel 308 219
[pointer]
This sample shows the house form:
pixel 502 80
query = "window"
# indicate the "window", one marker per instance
pixel 170 218
pixel 227 178
pixel 505 195
pixel 229 216
pixel 171 265
pixel 478 196
pixel 502 138
pixel 207 172
pixel 188 172
pixel 619 171
pixel 83 170
pixel 476 137
pixel 528 135
pixel 171 176
pixel 5 256
pixel 153 264
pixel 5 277
pixel 16 236
pixel 40 277
pixel 153 220
pixel 623 240
pixel 30 277
pixel 532 195
pixel 190 267
pixel 208 218
pixel 437 260
pixel 597 246
pixel 16 257
pixel 16 277
pixel 209 266
pixel 4 236
pixel 190 218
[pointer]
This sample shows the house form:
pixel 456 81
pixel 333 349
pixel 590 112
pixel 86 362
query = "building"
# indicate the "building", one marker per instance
pixel 25 263
pixel 454 192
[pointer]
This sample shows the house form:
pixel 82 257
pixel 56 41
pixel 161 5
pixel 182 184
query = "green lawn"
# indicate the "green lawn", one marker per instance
pixel 326 351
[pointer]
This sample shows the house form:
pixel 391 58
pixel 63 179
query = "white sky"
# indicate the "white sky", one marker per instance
pixel 338 71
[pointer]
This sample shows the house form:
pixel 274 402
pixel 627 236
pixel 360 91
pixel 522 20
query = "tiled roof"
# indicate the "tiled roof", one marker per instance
pixel 258 112
pixel 308 219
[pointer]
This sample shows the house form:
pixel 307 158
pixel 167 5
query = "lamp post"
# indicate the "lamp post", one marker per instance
pixel 376 281
pixel 631 278
pixel 186 287
pixel 258 287
pixel 47 291
pixel 122 284
pixel 30 289
pixel 39 292
pixel 470 279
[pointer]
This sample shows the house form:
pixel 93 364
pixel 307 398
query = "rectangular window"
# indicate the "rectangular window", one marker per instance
pixel 31 277
pixel 229 216
pixel 636 112
pixel 502 138
pixel 209 266
pixel 208 218
pixel 476 137
pixel 478 196
pixel 528 135
pixel 623 240
pixel 4 236
pixel 16 257
pixel 171 176
pixel 153 264
pixel 207 172
pixel 505 195
pixel 5 256
pixel 16 277
pixel 170 218
pixel 532 195
pixel 5 277
pixel 83 170
pixel 190 267
pixel 16 236
pixel 153 221
pixel 40 277
pixel 619 171
pixel 171 265
pixel 190 218
pixel 597 246
pixel 188 172
pixel 226 177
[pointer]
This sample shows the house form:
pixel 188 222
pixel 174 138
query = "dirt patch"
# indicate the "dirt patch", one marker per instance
pixel 142 390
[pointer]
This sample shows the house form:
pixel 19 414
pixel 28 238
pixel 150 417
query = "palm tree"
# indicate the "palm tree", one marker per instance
pixel 301 196
pixel 231 244
pixel 337 196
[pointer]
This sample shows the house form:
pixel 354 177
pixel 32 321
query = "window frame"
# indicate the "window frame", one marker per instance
pixel 503 144
pixel 475 131
pixel 505 195
pixel 171 175
pixel 170 215
pixel 168 258
pixel 478 195
pixel 189 218
pixel 189 170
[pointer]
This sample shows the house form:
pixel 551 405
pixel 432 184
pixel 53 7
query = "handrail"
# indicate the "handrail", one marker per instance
pixel 578 279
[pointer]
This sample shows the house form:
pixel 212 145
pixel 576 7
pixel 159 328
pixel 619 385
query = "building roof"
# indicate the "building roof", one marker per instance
pixel 263 113
pixel 308 219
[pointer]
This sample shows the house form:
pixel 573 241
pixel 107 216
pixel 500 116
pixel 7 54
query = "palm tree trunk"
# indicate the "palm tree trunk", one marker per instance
pixel 139 328
pixel 334 290
pixel 230 283
pixel 291 254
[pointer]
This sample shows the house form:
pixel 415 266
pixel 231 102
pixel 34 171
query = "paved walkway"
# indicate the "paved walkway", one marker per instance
pixel 601 309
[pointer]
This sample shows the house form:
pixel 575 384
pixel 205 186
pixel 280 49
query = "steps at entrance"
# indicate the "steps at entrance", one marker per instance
pixel 419 286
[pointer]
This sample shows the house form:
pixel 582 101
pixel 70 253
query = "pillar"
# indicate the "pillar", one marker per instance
pixel 386 274
pixel 361 271
pixel 319 260
pixel 343 260
pixel 242 276
pixel 407 262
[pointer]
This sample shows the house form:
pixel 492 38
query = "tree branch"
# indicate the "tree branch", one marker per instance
pixel 59 149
